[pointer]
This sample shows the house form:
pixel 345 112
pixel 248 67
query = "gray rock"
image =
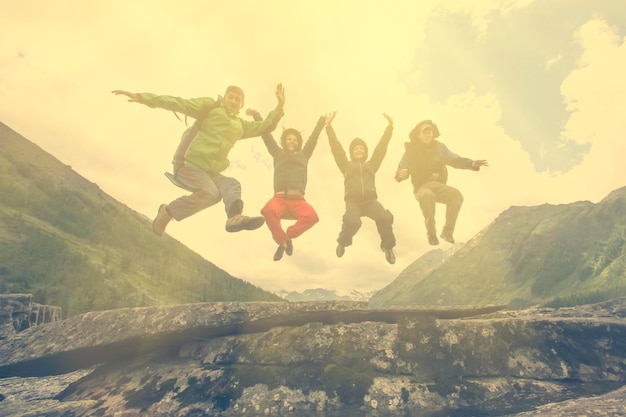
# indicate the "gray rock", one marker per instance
pixel 321 359
pixel 18 312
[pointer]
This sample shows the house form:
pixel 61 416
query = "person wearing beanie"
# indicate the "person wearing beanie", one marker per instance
pixel 291 161
pixel 425 160
pixel 202 153
pixel 360 189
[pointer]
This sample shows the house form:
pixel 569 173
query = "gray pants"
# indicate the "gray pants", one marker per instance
pixel 436 192
pixel 209 190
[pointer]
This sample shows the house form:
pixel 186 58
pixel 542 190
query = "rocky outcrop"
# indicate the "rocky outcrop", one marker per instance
pixel 330 358
pixel 18 312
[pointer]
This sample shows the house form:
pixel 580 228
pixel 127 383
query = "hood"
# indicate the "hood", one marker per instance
pixel 290 131
pixel 414 132
pixel 358 141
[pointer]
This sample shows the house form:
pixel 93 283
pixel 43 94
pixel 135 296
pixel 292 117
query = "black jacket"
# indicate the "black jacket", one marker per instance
pixel 427 162
pixel 359 176
pixel 290 168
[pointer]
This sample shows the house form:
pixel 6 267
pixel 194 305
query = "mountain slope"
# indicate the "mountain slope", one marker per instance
pixel 568 254
pixel 70 244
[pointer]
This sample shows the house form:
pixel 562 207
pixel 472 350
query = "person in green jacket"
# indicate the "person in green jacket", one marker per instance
pixel 202 154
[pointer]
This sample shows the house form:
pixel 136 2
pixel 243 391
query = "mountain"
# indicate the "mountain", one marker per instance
pixel 322 294
pixel 69 244
pixel 554 255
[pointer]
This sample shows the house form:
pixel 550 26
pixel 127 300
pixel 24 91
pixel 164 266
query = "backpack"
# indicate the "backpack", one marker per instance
pixel 191 134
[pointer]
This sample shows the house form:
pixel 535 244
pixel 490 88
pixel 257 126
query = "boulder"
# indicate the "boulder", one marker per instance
pixel 326 358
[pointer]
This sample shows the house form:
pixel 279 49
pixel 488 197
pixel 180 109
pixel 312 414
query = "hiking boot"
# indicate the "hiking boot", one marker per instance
pixel 240 222
pixel 289 247
pixel 278 255
pixel 389 255
pixel 340 250
pixel 432 239
pixel 447 237
pixel 161 220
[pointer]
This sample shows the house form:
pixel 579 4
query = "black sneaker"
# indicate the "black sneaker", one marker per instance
pixel 389 255
pixel 278 255
pixel 240 222
pixel 340 250
pixel 289 247
pixel 432 239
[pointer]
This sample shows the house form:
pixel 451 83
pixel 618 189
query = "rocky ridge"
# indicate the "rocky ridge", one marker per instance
pixel 18 312
pixel 320 359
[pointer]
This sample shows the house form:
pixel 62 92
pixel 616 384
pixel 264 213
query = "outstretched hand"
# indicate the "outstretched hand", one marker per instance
pixel 280 95
pixel 389 119
pixel 329 118
pixel 479 163
pixel 132 97
pixel 402 174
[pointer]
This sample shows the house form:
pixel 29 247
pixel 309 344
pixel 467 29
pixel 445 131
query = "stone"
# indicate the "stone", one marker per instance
pixel 325 358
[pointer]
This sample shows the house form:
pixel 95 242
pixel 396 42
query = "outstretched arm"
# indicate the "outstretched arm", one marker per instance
pixel 381 149
pixel 132 97
pixel 191 107
pixel 335 147
pixel 479 163
pixel 456 161
pixel 267 137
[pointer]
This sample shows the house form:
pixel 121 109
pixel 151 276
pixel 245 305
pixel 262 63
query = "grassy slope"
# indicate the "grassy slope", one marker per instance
pixel 70 244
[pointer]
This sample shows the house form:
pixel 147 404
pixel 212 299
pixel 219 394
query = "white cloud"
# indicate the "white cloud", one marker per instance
pixel 57 71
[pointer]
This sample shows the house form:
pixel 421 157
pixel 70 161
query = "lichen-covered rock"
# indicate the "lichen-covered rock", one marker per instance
pixel 333 359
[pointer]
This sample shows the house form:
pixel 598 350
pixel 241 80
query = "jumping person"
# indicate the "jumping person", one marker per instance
pixel 425 160
pixel 360 189
pixel 291 159
pixel 203 153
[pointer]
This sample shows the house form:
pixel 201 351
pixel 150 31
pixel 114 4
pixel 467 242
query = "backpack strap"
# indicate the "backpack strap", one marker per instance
pixel 179 156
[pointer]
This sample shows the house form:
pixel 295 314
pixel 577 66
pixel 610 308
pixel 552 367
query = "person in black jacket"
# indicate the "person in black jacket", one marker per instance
pixel 425 160
pixel 290 178
pixel 360 189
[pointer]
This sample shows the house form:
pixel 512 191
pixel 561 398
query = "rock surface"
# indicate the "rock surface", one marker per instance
pixel 319 359
pixel 18 312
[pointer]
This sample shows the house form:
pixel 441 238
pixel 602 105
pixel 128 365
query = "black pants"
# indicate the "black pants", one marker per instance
pixel 375 211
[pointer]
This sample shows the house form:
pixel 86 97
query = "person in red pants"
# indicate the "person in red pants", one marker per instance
pixel 291 160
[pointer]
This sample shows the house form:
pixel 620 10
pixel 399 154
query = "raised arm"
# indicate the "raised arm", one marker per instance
pixel 335 147
pixel 268 139
pixel 381 148
pixel 258 128
pixel 311 143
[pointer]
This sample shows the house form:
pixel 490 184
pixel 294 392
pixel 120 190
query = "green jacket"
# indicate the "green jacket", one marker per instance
pixel 217 133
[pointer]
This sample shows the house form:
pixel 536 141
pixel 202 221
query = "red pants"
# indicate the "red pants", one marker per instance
pixel 291 207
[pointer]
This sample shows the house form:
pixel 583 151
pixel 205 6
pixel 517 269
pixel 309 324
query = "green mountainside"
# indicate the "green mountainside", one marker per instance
pixel 69 244
pixel 554 255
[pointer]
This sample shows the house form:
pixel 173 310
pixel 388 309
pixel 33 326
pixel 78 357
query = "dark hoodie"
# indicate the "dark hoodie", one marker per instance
pixel 290 168
pixel 359 175
pixel 427 161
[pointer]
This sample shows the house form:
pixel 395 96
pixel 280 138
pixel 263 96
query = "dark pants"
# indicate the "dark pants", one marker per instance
pixel 375 211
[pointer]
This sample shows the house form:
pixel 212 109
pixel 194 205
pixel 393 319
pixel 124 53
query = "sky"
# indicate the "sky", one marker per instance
pixel 534 87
